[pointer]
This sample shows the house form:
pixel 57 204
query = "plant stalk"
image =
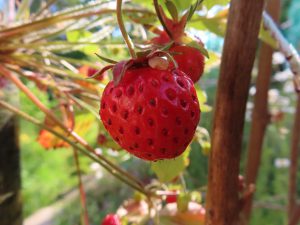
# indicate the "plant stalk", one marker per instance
pixel 161 20
pixel 123 30
pixel 81 189
pixel 51 116
pixel 85 152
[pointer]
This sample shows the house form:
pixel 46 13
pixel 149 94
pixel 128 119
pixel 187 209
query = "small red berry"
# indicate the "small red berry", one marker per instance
pixel 90 71
pixel 171 199
pixel 151 113
pixel 101 139
pixel 111 219
pixel 3 82
pixel 161 39
pixel 189 60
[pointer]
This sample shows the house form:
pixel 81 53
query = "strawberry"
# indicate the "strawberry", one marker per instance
pixel 187 51
pixel 171 199
pixel 101 139
pixel 189 60
pixel 111 219
pixel 149 112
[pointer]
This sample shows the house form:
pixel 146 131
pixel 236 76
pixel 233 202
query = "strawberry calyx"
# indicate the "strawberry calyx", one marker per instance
pixel 174 28
pixel 156 59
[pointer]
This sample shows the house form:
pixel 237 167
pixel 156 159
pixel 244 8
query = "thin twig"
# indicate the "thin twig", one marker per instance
pixel 260 114
pixel 74 145
pixel 42 10
pixel 123 30
pixel 286 48
pixel 51 116
pixel 81 189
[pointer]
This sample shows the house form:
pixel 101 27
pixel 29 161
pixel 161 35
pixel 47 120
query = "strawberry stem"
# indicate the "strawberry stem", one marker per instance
pixel 123 30
pixel 86 148
pixel 160 17
pixel 81 189
pixel 85 152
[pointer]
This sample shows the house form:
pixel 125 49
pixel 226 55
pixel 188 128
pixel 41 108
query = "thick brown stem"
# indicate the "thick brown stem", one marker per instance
pixel 260 115
pixel 295 218
pixel 10 180
pixel 235 73
pixel 292 196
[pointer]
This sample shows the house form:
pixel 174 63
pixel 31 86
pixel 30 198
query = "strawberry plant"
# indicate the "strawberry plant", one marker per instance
pixel 145 108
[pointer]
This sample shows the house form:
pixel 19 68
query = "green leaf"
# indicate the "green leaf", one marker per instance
pixel 202 97
pixel 205 108
pixel 90 49
pixel 196 196
pixel 203 138
pixel 172 9
pixel 23 10
pixel 76 35
pixel 213 61
pixel 215 25
pixel 147 4
pixel 105 59
pixel 206 147
pixel 199 47
pixel 166 170
pixel 183 202
pixel 146 18
pixel 192 9
pixel 266 37
pixel 211 3
pixel 183 4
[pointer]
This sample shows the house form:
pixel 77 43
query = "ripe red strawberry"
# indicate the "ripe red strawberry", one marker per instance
pixel 151 113
pixel 189 60
pixel 111 219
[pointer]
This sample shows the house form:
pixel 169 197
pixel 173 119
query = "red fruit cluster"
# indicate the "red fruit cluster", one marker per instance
pixel 189 59
pixel 151 113
pixel 111 219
